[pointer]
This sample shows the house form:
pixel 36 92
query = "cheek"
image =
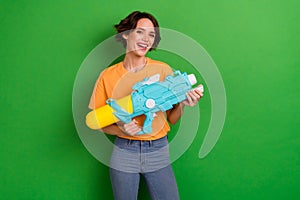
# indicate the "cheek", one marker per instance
pixel 132 37
pixel 151 40
pixel 137 36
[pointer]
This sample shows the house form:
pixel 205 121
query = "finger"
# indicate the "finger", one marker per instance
pixel 199 92
pixel 120 123
pixel 134 131
pixel 194 96
pixel 132 128
pixel 129 126
pixel 134 121
pixel 188 98
pixel 185 102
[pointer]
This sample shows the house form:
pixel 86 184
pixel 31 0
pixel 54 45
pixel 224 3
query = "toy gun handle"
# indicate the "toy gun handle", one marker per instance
pixel 125 117
pixel 147 127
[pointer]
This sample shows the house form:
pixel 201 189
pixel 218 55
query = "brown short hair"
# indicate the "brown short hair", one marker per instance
pixel 129 23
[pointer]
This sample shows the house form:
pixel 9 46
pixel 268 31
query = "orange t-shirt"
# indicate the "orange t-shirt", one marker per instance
pixel 116 82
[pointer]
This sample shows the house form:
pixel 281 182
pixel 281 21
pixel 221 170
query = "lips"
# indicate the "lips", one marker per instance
pixel 142 45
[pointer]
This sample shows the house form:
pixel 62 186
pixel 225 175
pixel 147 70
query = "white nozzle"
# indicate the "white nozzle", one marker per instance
pixel 200 88
pixel 192 79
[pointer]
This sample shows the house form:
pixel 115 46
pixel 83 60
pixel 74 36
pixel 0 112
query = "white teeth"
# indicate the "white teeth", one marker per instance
pixel 143 45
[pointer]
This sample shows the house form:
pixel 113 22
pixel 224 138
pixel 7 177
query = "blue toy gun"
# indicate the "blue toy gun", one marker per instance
pixel 150 96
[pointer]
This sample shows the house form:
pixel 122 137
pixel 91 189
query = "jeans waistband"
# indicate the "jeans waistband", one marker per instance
pixel 130 140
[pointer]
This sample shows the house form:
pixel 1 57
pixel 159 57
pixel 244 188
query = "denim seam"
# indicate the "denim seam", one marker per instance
pixel 153 190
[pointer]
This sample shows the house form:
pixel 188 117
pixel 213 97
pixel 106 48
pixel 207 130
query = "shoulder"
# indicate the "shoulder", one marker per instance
pixel 112 71
pixel 113 68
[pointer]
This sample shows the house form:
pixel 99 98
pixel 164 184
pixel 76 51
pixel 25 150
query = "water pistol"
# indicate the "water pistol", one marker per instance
pixel 148 97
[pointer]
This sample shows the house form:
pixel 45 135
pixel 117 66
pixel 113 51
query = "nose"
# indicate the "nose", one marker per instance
pixel 145 38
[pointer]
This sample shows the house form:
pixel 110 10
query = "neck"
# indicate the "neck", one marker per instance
pixel 134 63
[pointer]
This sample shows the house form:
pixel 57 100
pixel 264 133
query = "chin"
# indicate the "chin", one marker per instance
pixel 141 53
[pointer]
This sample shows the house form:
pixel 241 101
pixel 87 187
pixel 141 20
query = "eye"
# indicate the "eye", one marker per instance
pixel 152 35
pixel 139 31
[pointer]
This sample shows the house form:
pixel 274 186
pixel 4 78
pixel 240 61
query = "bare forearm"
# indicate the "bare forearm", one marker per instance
pixel 112 130
pixel 121 129
pixel 175 113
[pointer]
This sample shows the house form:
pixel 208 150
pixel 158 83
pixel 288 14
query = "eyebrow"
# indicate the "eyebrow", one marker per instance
pixel 145 30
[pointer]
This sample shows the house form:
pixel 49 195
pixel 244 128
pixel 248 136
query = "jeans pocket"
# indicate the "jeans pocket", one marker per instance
pixel 159 144
pixel 127 145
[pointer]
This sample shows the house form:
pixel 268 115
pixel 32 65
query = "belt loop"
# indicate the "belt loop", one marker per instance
pixel 128 141
pixel 150 142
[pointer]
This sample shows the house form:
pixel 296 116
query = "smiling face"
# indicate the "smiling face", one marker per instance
pixel 140 40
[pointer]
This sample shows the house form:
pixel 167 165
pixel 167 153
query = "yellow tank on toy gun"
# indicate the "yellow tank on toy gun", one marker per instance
pixel 148 97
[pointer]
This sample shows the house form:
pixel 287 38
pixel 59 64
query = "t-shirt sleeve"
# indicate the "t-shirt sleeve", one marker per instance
pixel 99 94
pixel 167 70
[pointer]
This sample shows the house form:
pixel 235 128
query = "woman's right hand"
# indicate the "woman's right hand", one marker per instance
pixel 130 128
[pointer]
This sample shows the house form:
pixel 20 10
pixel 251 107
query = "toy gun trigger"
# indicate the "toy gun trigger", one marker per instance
pixel 120 113
pixel 147 127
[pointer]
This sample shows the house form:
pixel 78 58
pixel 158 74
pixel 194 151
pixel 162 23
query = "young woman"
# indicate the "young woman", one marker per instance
pixel 137 155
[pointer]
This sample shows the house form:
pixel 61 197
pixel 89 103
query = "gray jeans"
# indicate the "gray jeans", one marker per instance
pixel 133 158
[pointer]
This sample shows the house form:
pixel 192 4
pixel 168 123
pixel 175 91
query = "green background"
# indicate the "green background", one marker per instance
pixel 255 45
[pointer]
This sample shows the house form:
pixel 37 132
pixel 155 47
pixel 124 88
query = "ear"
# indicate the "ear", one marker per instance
pixel 125 36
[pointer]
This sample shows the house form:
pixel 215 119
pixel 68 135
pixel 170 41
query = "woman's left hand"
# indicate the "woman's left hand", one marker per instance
pixel 193 97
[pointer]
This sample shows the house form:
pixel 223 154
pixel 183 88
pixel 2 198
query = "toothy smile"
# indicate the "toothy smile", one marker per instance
pixel 142 45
